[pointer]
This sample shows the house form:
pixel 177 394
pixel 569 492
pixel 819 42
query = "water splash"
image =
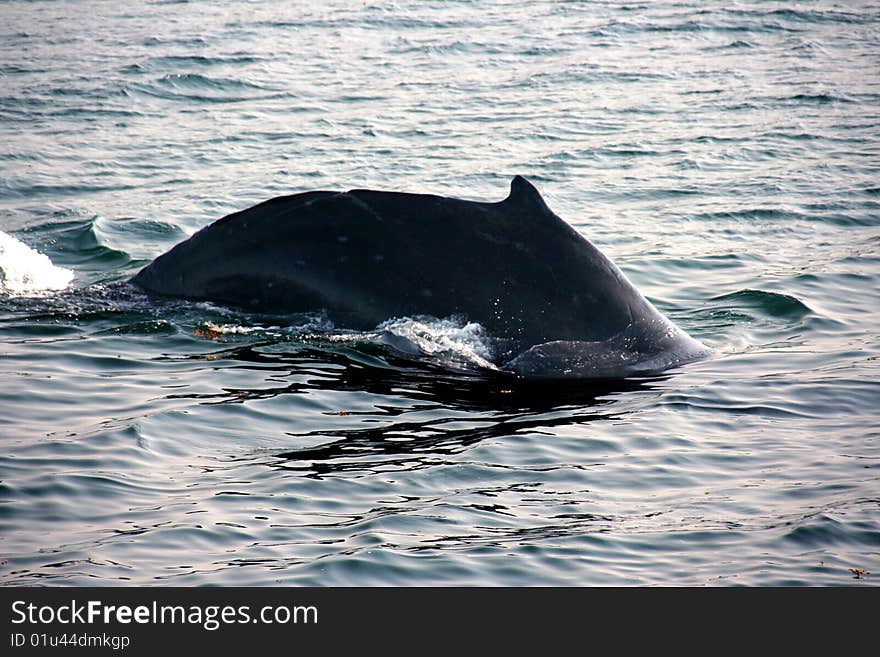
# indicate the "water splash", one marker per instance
pixel 452 340
pixel 24 271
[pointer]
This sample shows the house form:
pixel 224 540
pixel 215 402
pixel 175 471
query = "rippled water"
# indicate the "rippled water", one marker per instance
pixel 726 158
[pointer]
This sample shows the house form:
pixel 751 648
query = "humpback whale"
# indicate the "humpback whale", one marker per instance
pixel 555 306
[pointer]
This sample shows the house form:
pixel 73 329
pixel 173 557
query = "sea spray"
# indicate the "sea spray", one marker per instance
pixel 24 271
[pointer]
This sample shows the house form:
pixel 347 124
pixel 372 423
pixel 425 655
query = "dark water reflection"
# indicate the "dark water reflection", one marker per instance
pixel 491 404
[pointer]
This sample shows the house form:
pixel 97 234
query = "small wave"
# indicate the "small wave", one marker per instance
pixel 624 151
pixel 134 238
pixel 749 213
pixel 454 48
pixel 806 15
pixel 735 45
pixel 86 246
pixel 28 189
pixel 793 135
pixel 709 24
pixel 24 271
pixel 191 41
pixel 196 87
pixel 820 98
pixel 202 60
pixel 196 81
pixel 774 304
pixel 390 21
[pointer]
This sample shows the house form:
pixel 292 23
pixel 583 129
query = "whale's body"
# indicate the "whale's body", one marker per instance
pixel 555 304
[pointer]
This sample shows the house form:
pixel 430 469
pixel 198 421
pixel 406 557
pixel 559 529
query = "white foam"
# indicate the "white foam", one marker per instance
pixel 24 271
pixel 229 329
pixel 313 325
pixel 449 339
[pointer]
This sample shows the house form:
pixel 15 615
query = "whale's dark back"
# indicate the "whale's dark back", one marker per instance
pixel 367 256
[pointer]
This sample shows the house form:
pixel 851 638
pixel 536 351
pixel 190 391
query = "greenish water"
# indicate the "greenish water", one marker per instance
pixel 727 159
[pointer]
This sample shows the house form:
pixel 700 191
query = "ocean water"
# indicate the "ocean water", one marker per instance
pixel 725 156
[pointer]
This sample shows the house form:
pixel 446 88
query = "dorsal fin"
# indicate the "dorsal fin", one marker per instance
pixel 525 194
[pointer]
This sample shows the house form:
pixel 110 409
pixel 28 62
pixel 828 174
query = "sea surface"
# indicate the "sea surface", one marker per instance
pixel 725 155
